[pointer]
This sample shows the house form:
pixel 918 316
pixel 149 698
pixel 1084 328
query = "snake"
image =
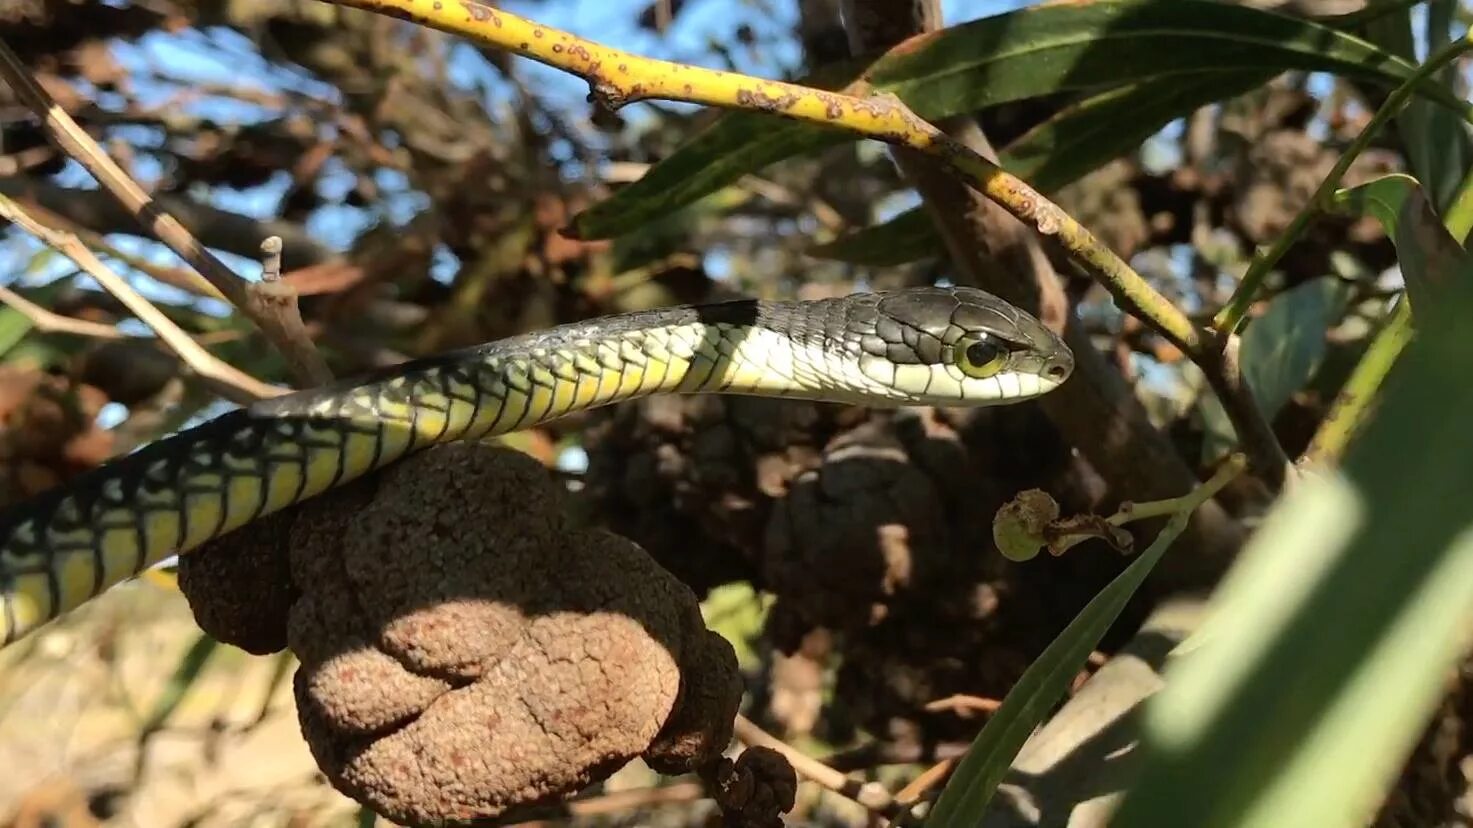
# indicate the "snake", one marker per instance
pixel 923 346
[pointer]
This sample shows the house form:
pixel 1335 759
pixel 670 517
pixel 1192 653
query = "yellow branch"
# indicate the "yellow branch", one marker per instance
pixel 617 77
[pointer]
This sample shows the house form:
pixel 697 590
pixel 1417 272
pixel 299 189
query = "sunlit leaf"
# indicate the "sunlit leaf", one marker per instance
pixel 1280 352
pixel 1334 634
pixel 1035 51
pixel 1430 257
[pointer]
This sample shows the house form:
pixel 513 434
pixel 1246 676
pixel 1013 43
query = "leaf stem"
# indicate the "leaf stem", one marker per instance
pixel 1355 401
pixel 1232 315
pixel 974 782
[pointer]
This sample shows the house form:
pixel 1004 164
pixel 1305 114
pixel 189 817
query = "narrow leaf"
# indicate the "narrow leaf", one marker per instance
pixel 184 677
pixel 13 328
pixel 964 801
pixel 1430 257
pixel 1074 142
pixel 1333 634
pixel 1027 53
pixel 1280 353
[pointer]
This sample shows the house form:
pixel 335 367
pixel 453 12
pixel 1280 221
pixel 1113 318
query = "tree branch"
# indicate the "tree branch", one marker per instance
pixel 48 322
pixel 616 78
pixel 216 228
pixel 273 308
pixel 229 381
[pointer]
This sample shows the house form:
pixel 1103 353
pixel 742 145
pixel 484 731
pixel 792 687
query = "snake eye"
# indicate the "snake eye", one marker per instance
pixel 982 358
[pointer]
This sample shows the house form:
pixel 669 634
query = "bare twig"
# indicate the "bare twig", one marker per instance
pixel 48 322
pixel 179 277
pixel 273 309
pixel 229 381
pixel 271 259
pixel 929 780
pixel 871 795
pixel 963 705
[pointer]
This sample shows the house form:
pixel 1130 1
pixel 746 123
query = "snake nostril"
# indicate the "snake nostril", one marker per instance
pixel 1056 371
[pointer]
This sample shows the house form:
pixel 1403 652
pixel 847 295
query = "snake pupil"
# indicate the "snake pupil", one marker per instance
pixel 981 353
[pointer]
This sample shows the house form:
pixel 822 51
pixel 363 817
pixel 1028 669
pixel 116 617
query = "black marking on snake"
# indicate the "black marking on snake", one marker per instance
pixel 501 410
pixel 263 457
pixel 526 395
pixel 7 602
pixel 140 531
pixel 53 581
pixel 436 380
pixel 535 385
pixel 669 358
pixel 413 427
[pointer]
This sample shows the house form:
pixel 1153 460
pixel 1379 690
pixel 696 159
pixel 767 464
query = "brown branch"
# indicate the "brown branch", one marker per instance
pixel 48 322
pixel 617 77
pixel 1096 411
pixel 178 277
pixel 229 381
pixel 273 309
pixel 214 227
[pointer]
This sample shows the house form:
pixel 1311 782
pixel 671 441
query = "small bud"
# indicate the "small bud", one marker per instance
pixel 1020 526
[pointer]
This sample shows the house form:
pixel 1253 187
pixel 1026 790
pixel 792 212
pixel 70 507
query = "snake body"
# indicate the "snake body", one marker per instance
pixel 936 346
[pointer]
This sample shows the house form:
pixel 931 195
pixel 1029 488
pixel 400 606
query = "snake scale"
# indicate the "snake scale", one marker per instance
pixel 920 346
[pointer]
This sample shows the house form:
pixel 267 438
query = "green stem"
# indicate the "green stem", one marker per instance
pixel 1353 403
pixel 1232 315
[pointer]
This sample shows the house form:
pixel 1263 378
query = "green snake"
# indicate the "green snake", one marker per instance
pixel 921 346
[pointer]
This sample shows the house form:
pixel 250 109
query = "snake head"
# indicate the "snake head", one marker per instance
pixel 960 346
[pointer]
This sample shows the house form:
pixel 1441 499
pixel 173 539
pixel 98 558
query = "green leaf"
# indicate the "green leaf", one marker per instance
pixel 1035 51
pixel 184 677
pixel 1332 636
pixel 1074 142
pixel 1431 259
pixel 1439 151
pixel 909 237
pixel 13 328
pixel 1282 349
pixel 1280 352
pixel 964 801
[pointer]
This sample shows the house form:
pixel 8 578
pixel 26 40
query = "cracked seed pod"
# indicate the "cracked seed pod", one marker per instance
pixel 755 790
pixel 854 533
pixel 692 479
pixel 466 652
pixel 967 621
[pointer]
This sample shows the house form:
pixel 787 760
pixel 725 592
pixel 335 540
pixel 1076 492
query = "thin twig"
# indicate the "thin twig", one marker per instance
pixel 1352 406
pixel 48 322
pixel 913 794
pixel 617 78
pixel 963 705
pixel 229 381
pixel 273 309
pixel 871 795
pixel 178 277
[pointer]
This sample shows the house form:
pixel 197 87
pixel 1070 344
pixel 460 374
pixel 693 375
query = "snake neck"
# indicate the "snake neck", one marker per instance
pixel 178 493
